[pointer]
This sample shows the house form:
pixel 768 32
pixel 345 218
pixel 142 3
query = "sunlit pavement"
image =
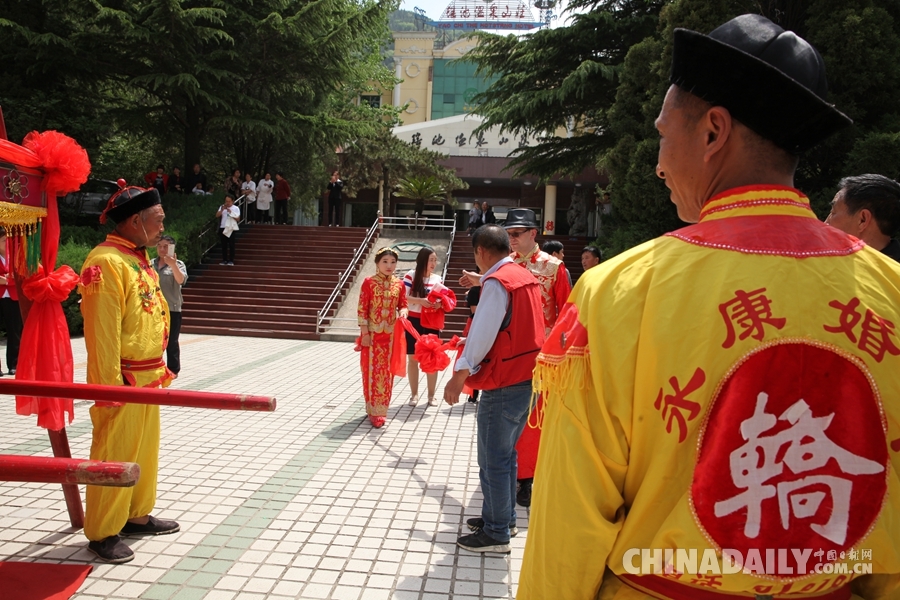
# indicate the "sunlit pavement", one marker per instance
pixel 305 502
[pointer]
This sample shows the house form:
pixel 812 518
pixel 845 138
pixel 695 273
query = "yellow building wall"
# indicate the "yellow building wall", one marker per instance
pixel 413 62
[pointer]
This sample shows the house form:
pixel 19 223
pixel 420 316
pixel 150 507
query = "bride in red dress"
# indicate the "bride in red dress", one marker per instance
pixel 381 300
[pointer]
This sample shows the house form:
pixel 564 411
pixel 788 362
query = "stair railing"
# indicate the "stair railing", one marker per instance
pixel 321 316
pixel 449 250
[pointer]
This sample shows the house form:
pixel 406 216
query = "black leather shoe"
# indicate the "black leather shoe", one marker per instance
pixel 152 527
pixel 112 550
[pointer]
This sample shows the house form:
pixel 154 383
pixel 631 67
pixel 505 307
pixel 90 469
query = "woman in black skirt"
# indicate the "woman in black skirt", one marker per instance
pixel 419 282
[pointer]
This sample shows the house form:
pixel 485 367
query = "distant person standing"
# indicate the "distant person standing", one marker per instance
pixel 335 200
pixel 228 214
pixel 264 190
pixel 196 182
pixel 172 275
pixel 158 179
pixel 556 249
pixel 9 309
pixel 248 189
pixel 475 217
pixel 282 196
pixel 487 214
pixel 233 184
pixel 590 257
pixel 176 182
pixel 868 207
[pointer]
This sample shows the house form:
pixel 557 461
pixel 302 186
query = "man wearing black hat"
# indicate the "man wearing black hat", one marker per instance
pixel 126 325
pixel 868 207
pixel 721 403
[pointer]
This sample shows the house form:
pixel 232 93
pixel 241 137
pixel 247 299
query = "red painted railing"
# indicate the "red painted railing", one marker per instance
pixel 67 470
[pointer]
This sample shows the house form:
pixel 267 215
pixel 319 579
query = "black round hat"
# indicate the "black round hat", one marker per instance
pixel 771 80
pixel 129 201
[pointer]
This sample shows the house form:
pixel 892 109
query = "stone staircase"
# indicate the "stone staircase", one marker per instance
pixel 282 277
pixel 461 257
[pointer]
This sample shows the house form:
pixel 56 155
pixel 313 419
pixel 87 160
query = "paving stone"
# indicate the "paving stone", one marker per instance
pixel 307 502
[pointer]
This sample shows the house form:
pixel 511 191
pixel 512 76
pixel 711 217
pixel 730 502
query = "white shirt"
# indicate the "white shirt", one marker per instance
pixel 234 212
pixel 264 193
pixel 486 323
pixel 248 188
pixel 433 280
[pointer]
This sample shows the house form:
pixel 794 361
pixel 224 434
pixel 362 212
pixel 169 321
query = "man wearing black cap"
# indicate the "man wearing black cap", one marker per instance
pixel 868 207
pixel 721 403
pixel 126 325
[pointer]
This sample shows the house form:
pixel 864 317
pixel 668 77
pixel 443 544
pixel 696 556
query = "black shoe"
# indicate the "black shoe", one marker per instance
pixel 12 371
pixel 477 524
pixel 472 399
pixel 112 550
pixel 482 542
pixel 523 496
pixel 152 527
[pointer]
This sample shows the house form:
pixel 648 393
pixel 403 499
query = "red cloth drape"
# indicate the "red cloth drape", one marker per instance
pixel 45 353
pixel 433 318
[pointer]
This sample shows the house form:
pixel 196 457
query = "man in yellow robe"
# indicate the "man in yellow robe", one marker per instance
pixel 722 404
pixel 126 327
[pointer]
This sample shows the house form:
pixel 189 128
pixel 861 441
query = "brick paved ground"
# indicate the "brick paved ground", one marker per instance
pixel 306 502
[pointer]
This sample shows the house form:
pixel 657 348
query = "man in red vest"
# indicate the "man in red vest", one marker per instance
pixel 506 335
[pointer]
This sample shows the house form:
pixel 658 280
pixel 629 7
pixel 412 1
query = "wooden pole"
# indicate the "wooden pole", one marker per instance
pixel 67 471
pixel 59 441
pixel 137 395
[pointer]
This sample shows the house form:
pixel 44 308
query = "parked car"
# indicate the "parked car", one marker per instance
pixel 91 198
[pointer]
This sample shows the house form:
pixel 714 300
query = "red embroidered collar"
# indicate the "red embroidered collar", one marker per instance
pixel 766 219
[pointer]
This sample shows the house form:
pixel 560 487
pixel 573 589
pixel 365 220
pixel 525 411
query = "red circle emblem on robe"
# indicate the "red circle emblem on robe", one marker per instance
pixel 793 455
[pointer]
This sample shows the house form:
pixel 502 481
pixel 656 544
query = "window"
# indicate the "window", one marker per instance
pixel 449 98
pixel 372 100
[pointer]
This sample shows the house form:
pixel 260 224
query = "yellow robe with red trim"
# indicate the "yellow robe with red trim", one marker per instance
pixel 126 321
pixel 651 378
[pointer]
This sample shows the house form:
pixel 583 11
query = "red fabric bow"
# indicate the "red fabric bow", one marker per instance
pixel 430 352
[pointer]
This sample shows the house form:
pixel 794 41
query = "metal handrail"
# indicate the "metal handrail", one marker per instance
pixel 449 250
pixel 320 316
pixel 441 224
pixel 214 224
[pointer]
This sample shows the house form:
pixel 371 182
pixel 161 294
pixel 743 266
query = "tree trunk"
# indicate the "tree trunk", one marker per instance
pixel 193 131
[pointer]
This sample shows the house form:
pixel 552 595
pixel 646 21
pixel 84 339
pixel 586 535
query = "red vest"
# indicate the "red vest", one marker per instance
pixel 512 358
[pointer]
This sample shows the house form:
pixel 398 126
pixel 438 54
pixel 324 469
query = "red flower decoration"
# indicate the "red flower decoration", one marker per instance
pixel 430 354
pixel 90 275
pixel 65 164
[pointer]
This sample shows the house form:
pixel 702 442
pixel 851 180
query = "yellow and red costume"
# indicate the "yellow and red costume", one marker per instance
pixel 732 385
pixel 380 298
pixel 126 328
pixel 554 285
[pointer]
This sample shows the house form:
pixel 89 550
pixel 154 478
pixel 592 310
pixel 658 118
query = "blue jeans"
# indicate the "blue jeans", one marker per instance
pixel 502 414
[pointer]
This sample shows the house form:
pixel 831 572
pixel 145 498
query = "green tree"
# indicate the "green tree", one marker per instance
pixel 609 94
pixel 426 189
pixel 561 80
pixel 253 83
